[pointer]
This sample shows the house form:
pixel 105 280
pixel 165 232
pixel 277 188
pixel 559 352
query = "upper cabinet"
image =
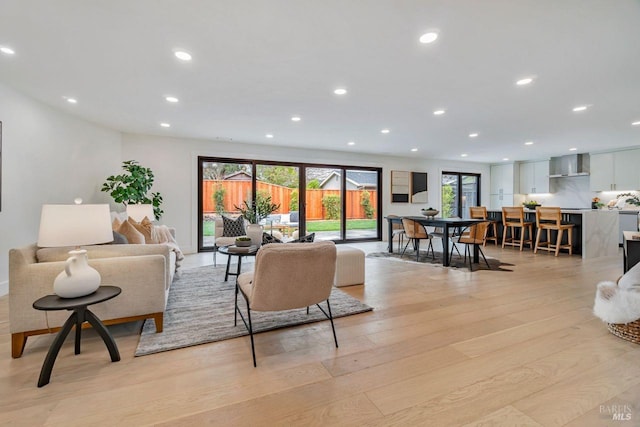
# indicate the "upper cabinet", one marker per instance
pixel 615 171
pixel 534 177
pixel 503 178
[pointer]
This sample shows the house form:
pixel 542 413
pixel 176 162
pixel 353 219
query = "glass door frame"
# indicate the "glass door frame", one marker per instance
pixel 302 183
pixel 458 197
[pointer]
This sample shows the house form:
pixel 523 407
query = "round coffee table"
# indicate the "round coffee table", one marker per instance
pixel 233 250
pixel 80 315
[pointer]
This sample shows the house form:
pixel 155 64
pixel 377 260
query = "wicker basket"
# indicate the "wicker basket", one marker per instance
pixel 626 331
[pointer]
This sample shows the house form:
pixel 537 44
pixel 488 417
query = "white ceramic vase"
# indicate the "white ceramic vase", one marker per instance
pixel 254 231
pixel 78 278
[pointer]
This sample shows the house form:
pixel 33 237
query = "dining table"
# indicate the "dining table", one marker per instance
pixel 446 224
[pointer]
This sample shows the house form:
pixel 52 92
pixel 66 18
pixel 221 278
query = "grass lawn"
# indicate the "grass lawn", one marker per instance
pixel 314 226
pixel 334 225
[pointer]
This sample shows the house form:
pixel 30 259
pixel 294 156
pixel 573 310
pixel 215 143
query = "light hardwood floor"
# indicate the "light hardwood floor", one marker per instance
pixel 443 347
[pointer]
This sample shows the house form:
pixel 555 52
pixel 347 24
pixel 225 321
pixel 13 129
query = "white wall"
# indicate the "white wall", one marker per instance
pixel 174 162
pixel 48 156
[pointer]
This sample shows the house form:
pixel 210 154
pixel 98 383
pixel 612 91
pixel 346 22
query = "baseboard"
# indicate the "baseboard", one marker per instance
pixel 4 288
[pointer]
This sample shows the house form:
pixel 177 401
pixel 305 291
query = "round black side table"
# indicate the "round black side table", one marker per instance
pixel 233 251
pixel 80 315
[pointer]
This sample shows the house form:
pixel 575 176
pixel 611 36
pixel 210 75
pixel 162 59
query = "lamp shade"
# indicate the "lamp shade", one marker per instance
pixel 138 212
pixel 74 225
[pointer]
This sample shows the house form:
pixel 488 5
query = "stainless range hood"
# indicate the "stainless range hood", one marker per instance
pixel 567 166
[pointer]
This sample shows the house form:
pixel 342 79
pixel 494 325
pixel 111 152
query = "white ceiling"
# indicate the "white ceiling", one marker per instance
pixel 257 62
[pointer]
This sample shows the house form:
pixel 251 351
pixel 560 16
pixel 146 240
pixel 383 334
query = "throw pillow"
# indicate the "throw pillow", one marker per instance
pixel 119 239
pixel 115 224
pixel 144 227
pixel 233 227
pixel 129 231
pixel 305 239
pixel 268 238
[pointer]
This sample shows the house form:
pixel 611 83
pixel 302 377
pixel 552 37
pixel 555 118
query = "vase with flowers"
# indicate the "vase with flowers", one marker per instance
pixel 596 203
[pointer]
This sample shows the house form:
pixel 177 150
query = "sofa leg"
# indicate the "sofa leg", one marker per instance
pixel 18 341
pixel 158 318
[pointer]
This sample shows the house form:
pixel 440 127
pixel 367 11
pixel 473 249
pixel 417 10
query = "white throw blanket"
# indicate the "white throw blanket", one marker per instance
pixel 617 304
pixel 161 234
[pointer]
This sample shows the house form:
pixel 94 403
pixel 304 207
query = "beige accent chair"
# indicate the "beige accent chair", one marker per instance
pixel 288 276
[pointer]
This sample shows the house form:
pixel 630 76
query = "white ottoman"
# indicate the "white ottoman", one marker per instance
pixel 349 266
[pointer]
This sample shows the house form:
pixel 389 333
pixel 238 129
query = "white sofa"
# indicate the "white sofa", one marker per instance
pixel 143 272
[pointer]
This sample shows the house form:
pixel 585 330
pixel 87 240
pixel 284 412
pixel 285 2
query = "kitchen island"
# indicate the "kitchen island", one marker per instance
pixel 595 232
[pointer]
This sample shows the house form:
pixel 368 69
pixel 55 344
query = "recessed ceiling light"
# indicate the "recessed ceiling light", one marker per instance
pixel 414 149
pixel 165 125
pixel 351 143
pixel 72 100
pixel 385 131
pixel 635 123
pixel 580 108
pixel 438 112
pixel 525 81
pixel 528 143
pixel 573 149
pixel 463 155
pixel 269 135
pixel 182 55
pixel 7 50
pixel 171 99
pixel 295 119
pixel 505 159
pixel 340 91
pixel 428 37
pixel 473 135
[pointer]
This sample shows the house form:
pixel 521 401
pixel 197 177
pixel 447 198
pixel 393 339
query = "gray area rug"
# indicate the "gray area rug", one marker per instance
pixel 200 310
pixel 457 261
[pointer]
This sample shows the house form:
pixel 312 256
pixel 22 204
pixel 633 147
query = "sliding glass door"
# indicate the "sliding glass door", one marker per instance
pixel 336 203
pixel 459 192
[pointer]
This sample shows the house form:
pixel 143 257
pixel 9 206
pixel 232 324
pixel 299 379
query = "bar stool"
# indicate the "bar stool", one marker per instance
pixel 547 219
pixel 512 218
pixel 480 212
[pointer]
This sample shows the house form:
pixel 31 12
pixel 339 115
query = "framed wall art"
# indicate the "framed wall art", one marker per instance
pixel 399 187
pixel 419 192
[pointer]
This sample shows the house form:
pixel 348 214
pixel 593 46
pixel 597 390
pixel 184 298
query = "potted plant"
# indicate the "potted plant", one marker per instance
pixel 261 209
pixel 133 186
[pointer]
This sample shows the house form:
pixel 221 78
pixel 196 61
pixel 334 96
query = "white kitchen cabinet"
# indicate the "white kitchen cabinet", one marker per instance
pixel 534 177
pixel 615 171
pixel 504 180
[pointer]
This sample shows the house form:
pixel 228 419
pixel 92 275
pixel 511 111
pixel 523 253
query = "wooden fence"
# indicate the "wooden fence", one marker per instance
pixel 235 192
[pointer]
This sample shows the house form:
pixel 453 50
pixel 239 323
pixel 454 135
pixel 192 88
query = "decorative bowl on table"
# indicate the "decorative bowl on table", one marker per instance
pixel 531 206
pixel 243 242
pixel 429 212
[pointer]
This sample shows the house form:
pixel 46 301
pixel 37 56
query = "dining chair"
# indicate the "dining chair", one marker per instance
pixel 549 219
pixel 475 235
pixel 480 212
pixel 288 276
pixel 416 232
pixel 512 220
pixel 397 229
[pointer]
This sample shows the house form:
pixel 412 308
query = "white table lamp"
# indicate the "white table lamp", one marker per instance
pixel 138 212
pixel 75 225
